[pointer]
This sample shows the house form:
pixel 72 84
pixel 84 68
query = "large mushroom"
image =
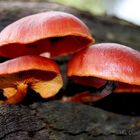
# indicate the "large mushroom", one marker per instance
pixel 56 32
pixel 35 72
pixel 103 64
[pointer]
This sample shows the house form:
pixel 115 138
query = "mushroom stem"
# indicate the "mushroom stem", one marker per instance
pixel 21 92
pixel 107 88
pixel 91 95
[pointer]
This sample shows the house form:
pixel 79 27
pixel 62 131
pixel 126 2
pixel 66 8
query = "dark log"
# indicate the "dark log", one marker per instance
pixel 67 121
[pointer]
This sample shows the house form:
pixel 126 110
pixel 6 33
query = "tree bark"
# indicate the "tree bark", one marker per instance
pixel 54 120
pixel 64 121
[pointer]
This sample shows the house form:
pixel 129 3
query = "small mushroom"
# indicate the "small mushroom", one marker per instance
pixel 56 32
pixel 35 72
pixel 100 63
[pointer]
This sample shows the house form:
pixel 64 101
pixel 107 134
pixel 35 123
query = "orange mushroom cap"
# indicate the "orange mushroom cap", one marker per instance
pixel 107 61
pixel 35 72
pixel 57 32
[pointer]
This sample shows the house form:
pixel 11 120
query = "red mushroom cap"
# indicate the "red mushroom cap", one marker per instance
pixel 36 72
pixel 108 61
pixel 57 32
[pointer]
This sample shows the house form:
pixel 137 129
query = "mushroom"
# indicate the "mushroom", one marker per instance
pixel 102 63
pixel 56 32
pixel 20 74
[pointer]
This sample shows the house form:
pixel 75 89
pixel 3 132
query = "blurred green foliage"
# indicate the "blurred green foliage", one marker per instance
pixel 94 6
pixel 97 7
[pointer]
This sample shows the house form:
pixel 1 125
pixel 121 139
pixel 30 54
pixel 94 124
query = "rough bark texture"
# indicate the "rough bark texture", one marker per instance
pixel 66 121
pixel 58 121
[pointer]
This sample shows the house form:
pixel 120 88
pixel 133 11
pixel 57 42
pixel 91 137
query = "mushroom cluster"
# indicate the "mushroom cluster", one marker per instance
pixel 54 33
pixel 101 68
